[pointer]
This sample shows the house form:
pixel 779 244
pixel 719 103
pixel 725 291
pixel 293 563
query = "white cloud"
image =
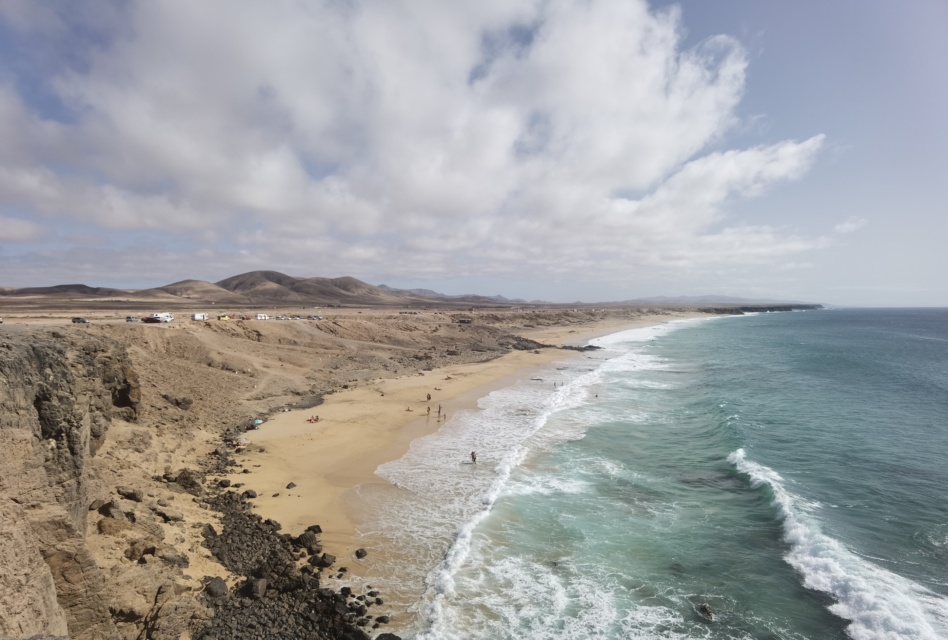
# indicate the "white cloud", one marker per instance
pixel 396 137
pixel 16 230
pixel 852 223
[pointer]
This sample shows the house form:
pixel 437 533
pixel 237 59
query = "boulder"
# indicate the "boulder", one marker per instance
pixel 215 587
pixel 139 548
pixel 323 561
pixel 172 556
pixel 131 493
pixel 168 514
pixel 191 481
pixel 115 509
pixel 256 588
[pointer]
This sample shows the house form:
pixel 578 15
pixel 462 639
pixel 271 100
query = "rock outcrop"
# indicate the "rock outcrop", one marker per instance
pixel 58 395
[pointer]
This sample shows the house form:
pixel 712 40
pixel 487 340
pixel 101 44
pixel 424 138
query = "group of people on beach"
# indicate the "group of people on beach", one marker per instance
pixel 312 419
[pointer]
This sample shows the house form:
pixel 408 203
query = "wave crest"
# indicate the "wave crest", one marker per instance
pixel 881 605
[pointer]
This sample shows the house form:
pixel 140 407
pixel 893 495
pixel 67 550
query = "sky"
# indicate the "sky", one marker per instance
pixel 564 150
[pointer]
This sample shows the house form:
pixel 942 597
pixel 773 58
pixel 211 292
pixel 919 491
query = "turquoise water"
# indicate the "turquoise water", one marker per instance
pixel 789 470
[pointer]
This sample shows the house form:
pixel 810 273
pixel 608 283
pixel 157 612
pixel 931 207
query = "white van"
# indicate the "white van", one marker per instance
pixel 163 317
pixel 199 316
pixel 262 316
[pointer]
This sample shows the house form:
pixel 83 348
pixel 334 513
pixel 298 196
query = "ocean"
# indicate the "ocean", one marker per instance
pixel 790 470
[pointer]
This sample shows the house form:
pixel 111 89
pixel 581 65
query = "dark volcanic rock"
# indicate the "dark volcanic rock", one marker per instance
pixel 191 481
pixel 215 587
pixel 587 347
pixel 277 600
pixel 325 560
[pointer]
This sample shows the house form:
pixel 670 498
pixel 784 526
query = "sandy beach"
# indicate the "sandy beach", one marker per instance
pixel 363 427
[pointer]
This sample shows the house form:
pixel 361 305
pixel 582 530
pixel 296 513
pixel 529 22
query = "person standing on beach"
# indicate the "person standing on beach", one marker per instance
pixel 429 411
pixel 474 457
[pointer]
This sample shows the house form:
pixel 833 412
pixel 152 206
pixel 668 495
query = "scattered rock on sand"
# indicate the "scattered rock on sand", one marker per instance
pixel 130 493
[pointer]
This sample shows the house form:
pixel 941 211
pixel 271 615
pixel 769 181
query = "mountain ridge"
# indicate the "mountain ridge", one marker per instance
pixel 268 288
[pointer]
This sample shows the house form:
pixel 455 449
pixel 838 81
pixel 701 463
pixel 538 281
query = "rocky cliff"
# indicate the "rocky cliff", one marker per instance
pixel 58 395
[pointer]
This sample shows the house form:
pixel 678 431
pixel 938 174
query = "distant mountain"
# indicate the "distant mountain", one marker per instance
pixel 424 293
pixel 70 289
pixel 252 289
pixel 699 300
pixel 428 293
pixel 275 289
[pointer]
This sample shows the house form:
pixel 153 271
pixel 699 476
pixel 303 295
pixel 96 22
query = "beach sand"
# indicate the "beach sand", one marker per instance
pixel 364 427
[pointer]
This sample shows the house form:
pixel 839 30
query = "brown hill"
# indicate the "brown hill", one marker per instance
pixel 252 289
pixel 255 281
pixel 203 291
pixel 272 287
pixel 68 290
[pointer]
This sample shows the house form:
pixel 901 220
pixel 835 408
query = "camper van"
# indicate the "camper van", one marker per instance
pixel 262 316
pixel 199 316
pixel 162 317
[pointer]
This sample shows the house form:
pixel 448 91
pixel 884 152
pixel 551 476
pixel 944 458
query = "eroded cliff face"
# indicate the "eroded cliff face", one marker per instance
pixel 58 394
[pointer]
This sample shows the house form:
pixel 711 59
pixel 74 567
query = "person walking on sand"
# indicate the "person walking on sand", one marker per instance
pixel 439 410
pixel 473 457
pixel 429 397
pixel 429 411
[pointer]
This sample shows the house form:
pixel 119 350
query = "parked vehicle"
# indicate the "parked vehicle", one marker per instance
pixel 80 321
pixel 151 320
pixel 199 316
pixel 261 316
pixel 162 317
pixel 132 319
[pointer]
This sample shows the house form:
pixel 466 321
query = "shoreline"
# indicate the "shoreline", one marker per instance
pixel 361 428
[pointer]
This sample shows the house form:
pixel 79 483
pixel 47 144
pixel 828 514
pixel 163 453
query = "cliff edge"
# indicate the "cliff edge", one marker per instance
pixel 57 398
